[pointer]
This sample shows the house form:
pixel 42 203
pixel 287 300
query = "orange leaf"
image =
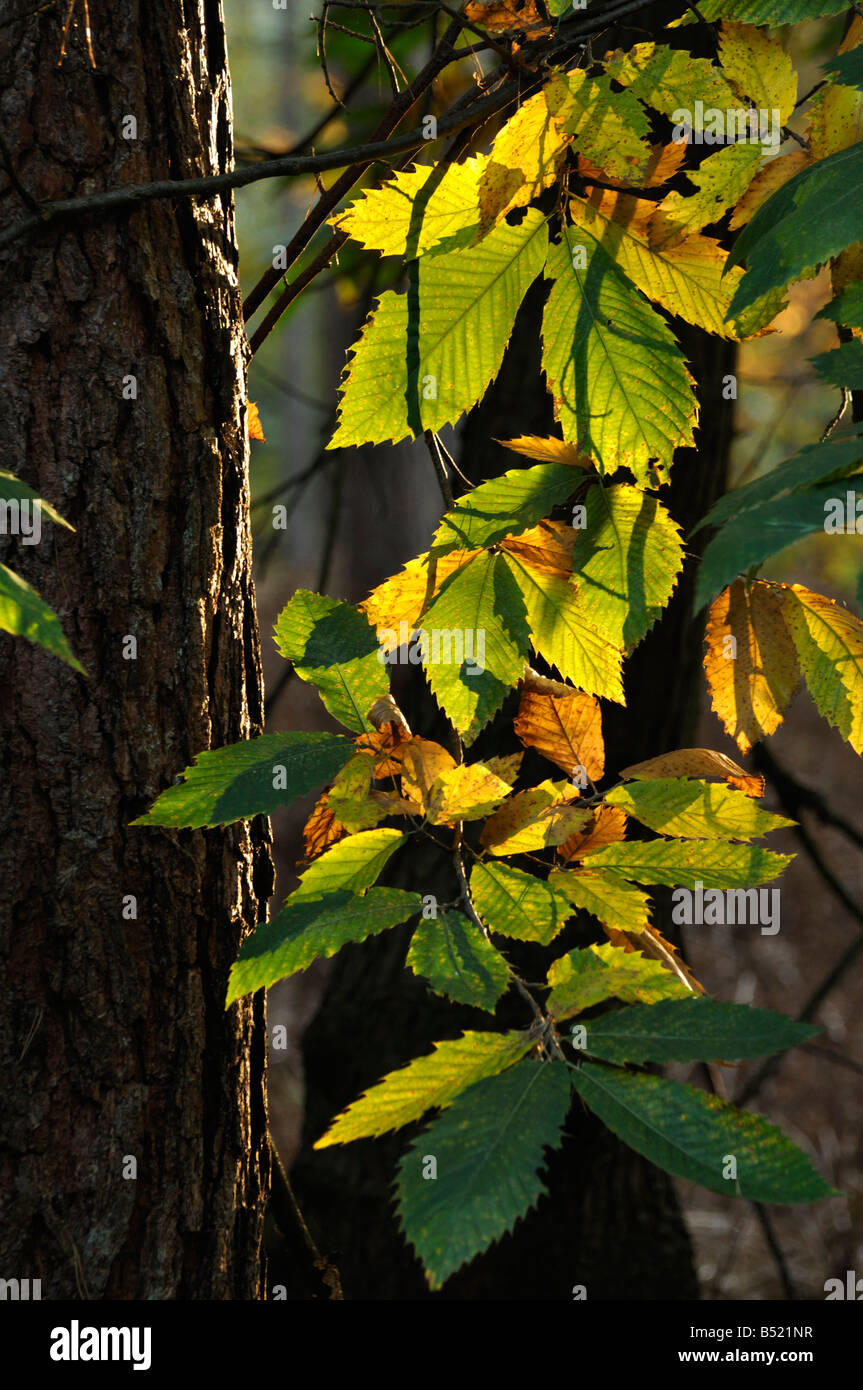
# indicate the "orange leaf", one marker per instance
pixel 606 828
pixel 651 943
pixel 750 662
pixel 546 546
pixel 566 729
pixel 253 420
pixel 547 450
pixel 320 831
pixel 664 162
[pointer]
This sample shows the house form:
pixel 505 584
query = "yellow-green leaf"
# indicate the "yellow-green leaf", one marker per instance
pixel 696 810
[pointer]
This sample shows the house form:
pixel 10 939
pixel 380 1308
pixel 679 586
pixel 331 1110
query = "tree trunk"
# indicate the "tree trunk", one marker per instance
pixel 135 1162
pixel 611 1221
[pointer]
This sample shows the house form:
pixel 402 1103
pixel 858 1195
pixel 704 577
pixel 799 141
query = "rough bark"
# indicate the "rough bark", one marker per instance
pixel 612 1221
pixel 114 1038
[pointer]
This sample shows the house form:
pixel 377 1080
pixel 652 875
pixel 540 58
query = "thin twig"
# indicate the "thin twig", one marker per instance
pixel 433 445
pixel 776 1251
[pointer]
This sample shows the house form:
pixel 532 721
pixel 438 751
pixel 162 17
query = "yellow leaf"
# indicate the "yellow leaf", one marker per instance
pixel 836 114
pixel 767 182
pixel 534 819
pixel 607 827
pixel 525 158
pixel 395 606
pixel 759 68
pixel 566 729
pixel 686 279
pixel 253 420
pixel 697 762
pixel 465 793
pixel 610 899
pixel 422 763
pixel 829 642
pixel 417 210
pixel 548 450
pixel 750 661
pixel 506 766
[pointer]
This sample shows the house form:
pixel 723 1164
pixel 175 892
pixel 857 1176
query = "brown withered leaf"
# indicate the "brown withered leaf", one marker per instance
pixel 697 762
pixel 386 713
pixel 750 661
pixel 320 831
pixel 566 729
pixel 606 828
pixel 505 18
pixel 387 744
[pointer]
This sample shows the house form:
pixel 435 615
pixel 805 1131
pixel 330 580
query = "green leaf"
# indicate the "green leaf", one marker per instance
pixel 748 539
pixel 431 208
pixel 352 864
pixel 478 614
pixel 847 307
pixel 691 1030
pixel 720 181
pixel 832 458
pixel 333 645
pixel 516 904
pixel 505 506
pixel 809 220
pixel 25 614
pixel 246 779
pixel 698 810
pixel 829 644
pixel 458 961
pixel 669 79
pixel 427 1082
pixel 489 1151
pixel 843 366
pixel 683 863
pixel 307 931
pixel 605 896
pixel 426 356
pixel 626 560
pixel 693 1135
pixel 589 976
pixel 607 126
pixel 619 382
pixel 12 489
pixel 847 69
pixel 562 632
pixel 767 12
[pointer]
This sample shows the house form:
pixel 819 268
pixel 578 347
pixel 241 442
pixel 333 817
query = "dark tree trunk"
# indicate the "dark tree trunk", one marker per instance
pixel 115 1042
pixel 612 1221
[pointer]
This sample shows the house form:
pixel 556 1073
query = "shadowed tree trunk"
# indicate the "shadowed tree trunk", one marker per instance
pixel 135 1162
pixel 612 1221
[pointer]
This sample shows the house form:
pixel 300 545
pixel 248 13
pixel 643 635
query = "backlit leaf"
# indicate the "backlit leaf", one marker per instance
pixel 517 904
pixel 753 677
pixel 458 961
pixel 566 729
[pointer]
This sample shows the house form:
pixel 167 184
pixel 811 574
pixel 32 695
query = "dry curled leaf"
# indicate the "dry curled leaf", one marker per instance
pixel 697 762
pixel 320 831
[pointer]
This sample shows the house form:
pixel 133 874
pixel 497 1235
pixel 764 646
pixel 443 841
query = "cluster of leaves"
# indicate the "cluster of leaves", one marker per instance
pixel 570 190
